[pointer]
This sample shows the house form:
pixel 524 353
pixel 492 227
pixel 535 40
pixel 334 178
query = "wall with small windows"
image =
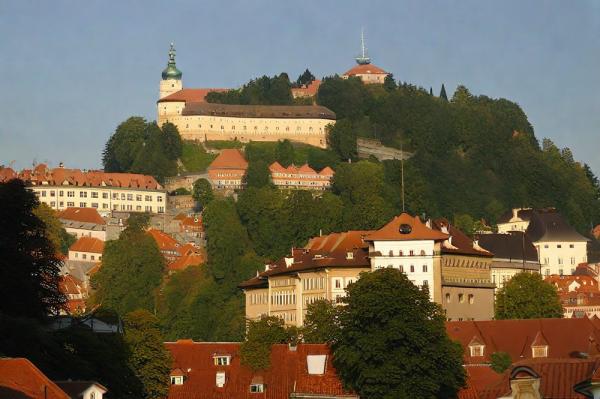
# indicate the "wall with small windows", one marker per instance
pixel 468 303
pixel 561 257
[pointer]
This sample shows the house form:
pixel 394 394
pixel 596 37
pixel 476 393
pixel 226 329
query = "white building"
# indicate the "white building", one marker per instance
pixel 516 220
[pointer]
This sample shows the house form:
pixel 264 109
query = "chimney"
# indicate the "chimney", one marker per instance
pixel 515 213
pixel 266 267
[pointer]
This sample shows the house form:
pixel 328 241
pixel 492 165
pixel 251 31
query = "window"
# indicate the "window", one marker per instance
pixel 43 193
pixel 220 379
pixel 138 197
pixel 70 194
pixel 92 257
pixel 159 198
pixel 448 298
pixel 471 299
pixel 129 197
pixel 391 253
pixel 424 268
pixel 558 246
pixel 412 252
pixel 256 388
pixel 425 283
pixel 61 193
pixel 338 283
pixel 572 260
pixel 148 198
pixel 83 194
pixel 476 350
pixel 461 298
pixel 161 209
pixel 52 193
pixel 224 360
pixel 402 268
pixel 412 268
pixel 539 351
pixel 94 205
pixel 94 194
pixel 123 196
pixel 545 245
pixel 82 204
pixel 571 245
pixel 115 196
pixel 84 256
pixel 560 271
pixel 560 261
pixel 71 204
pixel 105 195
pixel 422 252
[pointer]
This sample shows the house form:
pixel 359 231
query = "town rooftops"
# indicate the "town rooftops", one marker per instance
pixel 406 228
pixel 458 242
pixel 306 371
pixel 304 170
pixel 259 111
pixel 333 242
pixel 365 69
pixel 88 244
pixel 164 241
pixel 549 225
pixel 83 215
pixel 229 159
pixel 77 389
pixel 189 95
pixel 7 174
pixel 19 378
pixel 509 246
pixel 184 261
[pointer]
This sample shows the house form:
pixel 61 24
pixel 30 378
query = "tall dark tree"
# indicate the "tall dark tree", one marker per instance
pixel 171 141
pixel 29 262
pixel 443 94
pixel 305 78
pixel 258 174
pixel 255 351
pixel 122 147
pixel 341 137
pixel 285 152
pixel 393 343
pixel 203 193
pixel 389 83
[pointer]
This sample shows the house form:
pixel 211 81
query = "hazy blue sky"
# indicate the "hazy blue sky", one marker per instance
pixel 72 70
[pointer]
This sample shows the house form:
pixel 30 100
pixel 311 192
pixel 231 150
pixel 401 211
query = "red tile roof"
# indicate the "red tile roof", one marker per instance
pixel 84 215
pixel 301 171
pixel 288 373
pixel 307 91
pixel 229 159
pixel 365 69
pixel 164 241
pixel 458 242
pixel 88 244
pixel 416 230
pixel 185 261
pixel 577 283
pixel 19 378
pixel 189 95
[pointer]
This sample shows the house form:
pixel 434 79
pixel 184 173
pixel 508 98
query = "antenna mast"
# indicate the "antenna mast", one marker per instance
pixel 402 174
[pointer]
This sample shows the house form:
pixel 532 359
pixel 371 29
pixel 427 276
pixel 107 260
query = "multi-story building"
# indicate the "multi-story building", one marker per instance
pixel 202 121
pixel 512 253
pixel 228 169
pixel 328 264
pixel 579 294
pixel 83 222
pixel 62 188
pixel 87 249
pixel 303 177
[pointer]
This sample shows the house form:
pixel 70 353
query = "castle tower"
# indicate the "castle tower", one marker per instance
pixel 171 76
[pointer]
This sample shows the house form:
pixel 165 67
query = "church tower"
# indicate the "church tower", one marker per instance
pixel 171 76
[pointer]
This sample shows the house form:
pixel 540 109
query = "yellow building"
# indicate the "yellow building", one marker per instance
pixel 198 120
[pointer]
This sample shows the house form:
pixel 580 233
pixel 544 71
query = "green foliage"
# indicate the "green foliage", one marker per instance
pixel 527 296
pixel 341 137
pixel 501 361
pixel 305 78
pixel 149 358
pixel 321 322
pixel 138 146
pixel 465 223
pixel 132 269
pixel 194 157
pixel 29 265
pixel 203 193
pixel 223 144
pixel 55 231
pixel 346 97
pixel 257 174
pixel 393 343
pixel 389 84
pixel 262 91
pixel 255 351
pixel 180 191
pixel 443 94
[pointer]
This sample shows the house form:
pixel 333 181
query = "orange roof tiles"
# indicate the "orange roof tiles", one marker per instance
pixel 307 91
pixel 578 283
pixel 19 378
pixel 277 168
pixel 84 215
pixel 287 375
pixel 185 261
pixel 88 244
pixel 229 159
pixel 365 69
pixel 415 230
pixel 189 95
pixel 164 241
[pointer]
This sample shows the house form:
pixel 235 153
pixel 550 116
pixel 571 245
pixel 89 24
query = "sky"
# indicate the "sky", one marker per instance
pixel 72 71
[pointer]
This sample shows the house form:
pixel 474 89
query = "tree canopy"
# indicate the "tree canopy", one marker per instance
pixel 54 228
pixel 276 90
pixel 255 351
pixel 321 322
pixel 527 296
pixel 202 193
pixel 392 341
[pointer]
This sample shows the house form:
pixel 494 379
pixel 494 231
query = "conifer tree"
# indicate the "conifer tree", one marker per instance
pixel 443 94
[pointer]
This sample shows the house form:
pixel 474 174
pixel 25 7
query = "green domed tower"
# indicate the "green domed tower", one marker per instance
pixel 171 76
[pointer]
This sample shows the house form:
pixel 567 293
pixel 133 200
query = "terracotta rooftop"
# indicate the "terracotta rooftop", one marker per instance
pixel 76 389
pixel 189 95
pixel 276 167
pixel 458 242
pixel 84 215
pixel 164 241
pixel 307 91
pixel 7 174
pixel 259 111
pixel 185 261
pixel 516 215
pixel 229 159
pixel 20 379
pixel 88 244
pixel 365 69
pixel 288 374
pixel 577 283
pixel 412 229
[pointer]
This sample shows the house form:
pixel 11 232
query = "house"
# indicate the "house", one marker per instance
pixel 513 253
pixel 82 389
pixel 228 169
pixel 579 294
pixel 76 292
pixel 364 70
pixel 185 261
pixel 83 222
pixel 86 249
pixel 515 220
pixel 207 370
pixel 19 378
pixel 303 177
pixel 168 246
pixel 191 224
pixel 310 90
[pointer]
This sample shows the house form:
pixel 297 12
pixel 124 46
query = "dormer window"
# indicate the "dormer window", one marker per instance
pixel 222 360
pixel 349 255
pixel 476 350
pixel 176 380
pixel 539 351
pixel 257 388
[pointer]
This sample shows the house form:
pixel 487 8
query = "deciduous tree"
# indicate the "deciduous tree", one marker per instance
pixel 527 296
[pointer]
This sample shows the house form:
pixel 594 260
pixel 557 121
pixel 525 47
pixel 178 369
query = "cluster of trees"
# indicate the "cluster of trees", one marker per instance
pixel 132 365
pixel 265 90
pixel 527 296
pixel 138 146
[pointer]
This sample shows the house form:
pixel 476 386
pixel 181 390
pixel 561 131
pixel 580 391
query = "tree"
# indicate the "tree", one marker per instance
pixel 122 147
pixel 527 296
pixel 132 269
pixel 305 78
pixel 443 94
pixel 285 152
pixel 149 358
pixel 54 229
pixel 465 223
pixel 393 343
pixel 462 95
pixel 171 141
pixel 255 351
pixel 389 84
pixel 257 174
pixel 29 265
pixel 341 137
pixel 320 322
pixel 202 193
pixel 501 361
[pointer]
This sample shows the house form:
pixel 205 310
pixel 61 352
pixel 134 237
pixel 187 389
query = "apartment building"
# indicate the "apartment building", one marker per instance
pixel 301 178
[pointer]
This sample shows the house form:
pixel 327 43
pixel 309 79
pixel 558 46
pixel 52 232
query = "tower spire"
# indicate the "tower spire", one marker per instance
pixel 171 71
pixel 363 58
pixel 172 54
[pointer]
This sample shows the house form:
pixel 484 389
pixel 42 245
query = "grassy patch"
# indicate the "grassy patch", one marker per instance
pixel 195 158
pixel 222 144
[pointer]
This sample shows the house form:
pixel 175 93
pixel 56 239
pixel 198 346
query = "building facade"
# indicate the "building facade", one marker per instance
pixel 302 178
pixel 228 169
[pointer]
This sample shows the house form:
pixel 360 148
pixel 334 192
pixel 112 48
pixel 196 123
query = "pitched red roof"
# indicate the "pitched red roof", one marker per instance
pixel 365 69
pixel 458 242
pixel 415 230
pixel 229 159
pixel 88 244
pixel 186 260
pixel 307 91
pixel 84 215
pixel 164 241
pixel 189 95
pixel 19 378
pixel 579 283
pixel 288 373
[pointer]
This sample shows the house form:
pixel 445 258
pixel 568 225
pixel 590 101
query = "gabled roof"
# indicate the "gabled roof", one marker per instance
pixel 189 95
pixel 164 241
pixel 19 378
pixel 309 90
pixel 76 389
pixel 84 215
pixel 509 246
pixel 458 242
pixel 516 215
pixel 88 244
pixel 70 285
pixel 549 225
pixel 7 174
pixel 186 260
pixel 413 229
pixel 365 69
pixel 229 159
